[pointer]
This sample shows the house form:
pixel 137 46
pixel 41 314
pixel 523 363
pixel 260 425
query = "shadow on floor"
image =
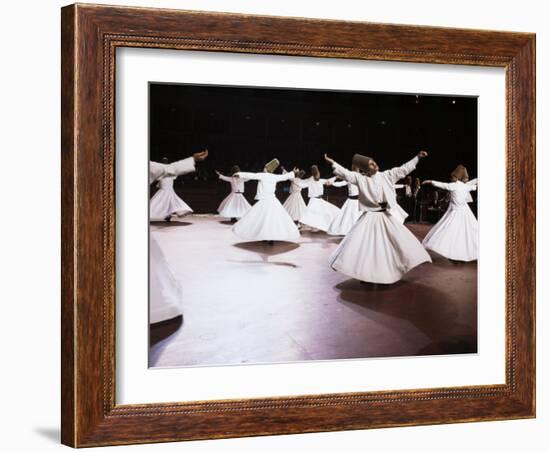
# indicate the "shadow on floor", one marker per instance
pixel 161 330
pixel 264 250
pixel 432 311
pixel 169 224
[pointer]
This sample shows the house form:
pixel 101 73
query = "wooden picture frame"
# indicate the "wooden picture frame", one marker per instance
pixel 90 36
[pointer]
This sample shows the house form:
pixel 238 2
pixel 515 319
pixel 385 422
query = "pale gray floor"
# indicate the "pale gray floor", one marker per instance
pixel 256 303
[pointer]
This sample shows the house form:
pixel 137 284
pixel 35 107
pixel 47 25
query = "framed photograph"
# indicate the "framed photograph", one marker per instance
pixel 281 225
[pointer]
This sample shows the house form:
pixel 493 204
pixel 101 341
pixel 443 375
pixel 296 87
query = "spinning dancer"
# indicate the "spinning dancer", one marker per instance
pixel 319 214
pixel 294 204
pixel 378 249
pixel 165 290
pixel 235 205
pixel 349 213
pixel 267 220
pixel 165 202
pixel 455 236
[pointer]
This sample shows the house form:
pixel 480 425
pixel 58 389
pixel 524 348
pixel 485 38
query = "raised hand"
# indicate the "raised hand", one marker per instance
pixel 200 156
pixel 218 173
pixel 426 182
pixel 422 154
pixel 329 160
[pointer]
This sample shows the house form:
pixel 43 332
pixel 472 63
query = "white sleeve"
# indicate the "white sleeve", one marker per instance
pixel 472 184
pixel 350 176
pixel 159 170
pixel 302 183
pixel 183 166
pixel 225 178
pixel 399 172
pixel 442 185
pixel 286 176
pixel 249 176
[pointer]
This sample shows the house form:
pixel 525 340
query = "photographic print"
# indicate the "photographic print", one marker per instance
pixel 271 225
pixel 291 225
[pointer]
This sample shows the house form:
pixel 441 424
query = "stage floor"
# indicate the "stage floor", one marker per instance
pixel 248 303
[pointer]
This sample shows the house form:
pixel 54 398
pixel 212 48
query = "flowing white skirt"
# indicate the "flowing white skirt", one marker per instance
pixel 378 249
pixel 234 205
pixel 346 218
pixel 166 294
pixel 455 236
pixel 166 202
pixel 267 220
pixel 319 214
pixel 295 205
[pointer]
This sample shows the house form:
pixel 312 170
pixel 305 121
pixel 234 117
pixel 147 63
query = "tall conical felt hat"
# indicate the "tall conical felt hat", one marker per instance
pixel 361 161
pixel 315 172
pixel 234 169
pixel 272 166
pixel 460 173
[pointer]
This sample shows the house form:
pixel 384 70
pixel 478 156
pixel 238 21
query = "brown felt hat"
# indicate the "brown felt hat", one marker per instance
pixel 235 169
pixel 361 161
pixel 315 172
pixel 301 174
pixel 460 173
pixel 272 165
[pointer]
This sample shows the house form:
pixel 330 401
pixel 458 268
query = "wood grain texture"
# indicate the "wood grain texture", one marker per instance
pixel 90 36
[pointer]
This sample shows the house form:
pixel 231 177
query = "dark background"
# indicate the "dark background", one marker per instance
pixel 250 126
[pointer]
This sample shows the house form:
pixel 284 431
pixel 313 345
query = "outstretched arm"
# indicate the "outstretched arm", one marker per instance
pixel 402 171
pixel 285 176
pixel 248 176
pixel 222 177
pixel 472 184
pixel 340 171
pixel 441 185
pixel 160 170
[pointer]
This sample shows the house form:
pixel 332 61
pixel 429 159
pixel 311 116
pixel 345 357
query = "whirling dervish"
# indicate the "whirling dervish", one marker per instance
pixel 165 290
pixel 235 205
pixel 267 220
pixel 294 204
pixel 455 235
pixel 349 213
pixel 165 203
pixel 379 248
pixel 319 213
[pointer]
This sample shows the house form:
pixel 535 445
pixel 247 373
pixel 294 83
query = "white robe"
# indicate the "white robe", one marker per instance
pixel 165 202
pixel 348 214
pixel 235 204
pixel 267 219
pixel 456 234
pixel 165 292
pixel 294 204
pixel 319 213
pixel 378 248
